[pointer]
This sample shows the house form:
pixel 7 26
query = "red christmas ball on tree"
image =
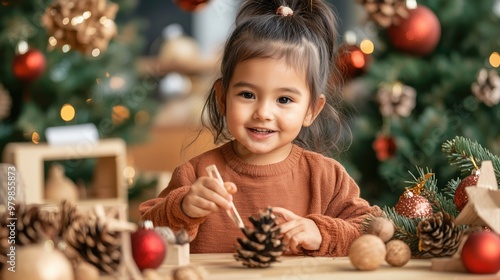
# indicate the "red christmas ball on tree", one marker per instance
pixel 384 146
pixel 351 61
pixel 29 66
pixel 191 5
pixel 148 247
pixel 460 198
pixel 481 253
pixel 418 34
pixel 413 206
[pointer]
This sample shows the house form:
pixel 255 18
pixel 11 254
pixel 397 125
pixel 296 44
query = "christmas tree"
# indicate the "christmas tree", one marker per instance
pixel 71 62
pixel 431 76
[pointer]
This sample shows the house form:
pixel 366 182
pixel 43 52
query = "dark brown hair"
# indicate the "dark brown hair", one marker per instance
pixel 305 39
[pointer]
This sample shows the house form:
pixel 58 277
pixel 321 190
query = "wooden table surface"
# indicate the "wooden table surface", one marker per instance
pixel 223 266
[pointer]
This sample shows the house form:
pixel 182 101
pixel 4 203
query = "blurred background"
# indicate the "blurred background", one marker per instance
pixel 414 75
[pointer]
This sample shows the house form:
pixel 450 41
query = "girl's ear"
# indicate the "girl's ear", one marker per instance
pixel 221 99
pixel 314 111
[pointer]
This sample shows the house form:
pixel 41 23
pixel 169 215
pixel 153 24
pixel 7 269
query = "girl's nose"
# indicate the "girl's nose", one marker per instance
pixel 263 111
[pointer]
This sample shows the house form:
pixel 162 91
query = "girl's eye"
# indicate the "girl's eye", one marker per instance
pixel 247 95
pixel 284 100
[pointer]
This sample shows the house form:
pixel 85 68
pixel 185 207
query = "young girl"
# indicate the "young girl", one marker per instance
pixel 271 113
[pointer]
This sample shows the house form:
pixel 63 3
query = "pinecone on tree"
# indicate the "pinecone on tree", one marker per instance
pixel 95 243
pixel 385 12
pixel 262 246
pixel 487 87
pixel 438 235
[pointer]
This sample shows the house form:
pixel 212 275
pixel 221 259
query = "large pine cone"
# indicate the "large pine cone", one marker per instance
pixel 438 235
pixel 95 243
pixel 32 226
pixel 262 246
pixel 385 12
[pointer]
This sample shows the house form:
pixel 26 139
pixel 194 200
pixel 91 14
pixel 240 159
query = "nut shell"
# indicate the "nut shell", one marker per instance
pixel 367 252
pixel 398 253
pixel 382 228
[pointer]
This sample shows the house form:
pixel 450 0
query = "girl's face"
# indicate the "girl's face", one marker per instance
pixel 267 103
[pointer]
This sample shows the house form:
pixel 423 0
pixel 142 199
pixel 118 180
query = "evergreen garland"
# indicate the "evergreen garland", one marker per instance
pixel 459 151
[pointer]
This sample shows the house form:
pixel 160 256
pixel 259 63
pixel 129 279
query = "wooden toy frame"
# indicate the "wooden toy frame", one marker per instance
pixel 28 158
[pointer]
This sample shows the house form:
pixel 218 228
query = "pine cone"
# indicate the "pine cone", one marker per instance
pixel 262 246
pixel 385 12
pixel 68 214
pixel 396 99
pixel 438 235
pixel 487 87
pixel 32 226
pixel 95 243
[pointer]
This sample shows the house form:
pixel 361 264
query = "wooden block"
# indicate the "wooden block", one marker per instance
pixel 448 265
pixel 177 255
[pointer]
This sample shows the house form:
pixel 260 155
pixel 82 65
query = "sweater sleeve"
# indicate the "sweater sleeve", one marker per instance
pixel 165 210
pixel 342 220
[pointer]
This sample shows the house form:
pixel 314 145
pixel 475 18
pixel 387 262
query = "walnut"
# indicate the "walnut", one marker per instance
pixel 382 228
pixel 398 253
pixel 367 252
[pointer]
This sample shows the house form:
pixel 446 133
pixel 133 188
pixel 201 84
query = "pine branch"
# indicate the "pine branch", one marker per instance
pixel 459 150
pixel 451 187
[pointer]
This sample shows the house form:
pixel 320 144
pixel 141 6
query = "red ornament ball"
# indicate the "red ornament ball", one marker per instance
pixel 384 147
pixel 413 206
pixel 351 61
pixel 481 253
pixel 29 66
pixel 418 34
pixel 148 247
pixel 191 5
pixel 460 199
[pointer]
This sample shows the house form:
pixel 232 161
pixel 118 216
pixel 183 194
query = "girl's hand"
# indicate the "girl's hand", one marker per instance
pixel 298 232
pixel 206 195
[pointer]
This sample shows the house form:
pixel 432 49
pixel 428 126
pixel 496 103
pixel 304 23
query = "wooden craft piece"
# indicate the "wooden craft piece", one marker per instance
pixel 177 254
pixel 483 206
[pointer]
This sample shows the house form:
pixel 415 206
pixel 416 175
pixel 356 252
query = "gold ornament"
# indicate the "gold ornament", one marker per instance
pixel 396 99
pixel 82 25
pixel 487 87
pixel 398 253
pixel 367 252
pixel 411 204
pixel 5 103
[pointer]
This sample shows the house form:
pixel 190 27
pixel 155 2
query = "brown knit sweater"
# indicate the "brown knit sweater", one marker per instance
pixel 306 183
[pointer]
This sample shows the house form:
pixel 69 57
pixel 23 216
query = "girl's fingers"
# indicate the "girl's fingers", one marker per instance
pixel 230 187
pixel 286 214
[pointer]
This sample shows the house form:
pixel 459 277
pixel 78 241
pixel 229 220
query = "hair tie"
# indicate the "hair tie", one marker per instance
pixel 284 11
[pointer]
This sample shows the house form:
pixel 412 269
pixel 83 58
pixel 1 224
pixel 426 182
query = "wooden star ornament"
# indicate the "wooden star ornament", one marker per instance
pixel 483 206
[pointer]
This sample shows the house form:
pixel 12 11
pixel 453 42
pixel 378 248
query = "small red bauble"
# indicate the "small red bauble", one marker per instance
pixel 351 61
pixel 460 198
pixel 413 206
pixel 148 247
pixel 191 5
pixel 481 253
pixel 419 34
pixel 384 146
pixel 29 66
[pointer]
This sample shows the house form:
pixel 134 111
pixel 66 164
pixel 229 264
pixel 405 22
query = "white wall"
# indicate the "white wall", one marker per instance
pixel 212 24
